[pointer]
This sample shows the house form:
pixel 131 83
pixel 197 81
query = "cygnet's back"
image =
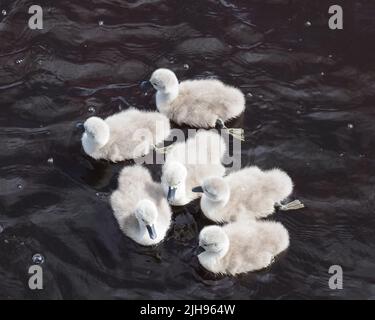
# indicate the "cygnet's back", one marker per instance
pixel 256 191
pixel 201 102
pixel 253 245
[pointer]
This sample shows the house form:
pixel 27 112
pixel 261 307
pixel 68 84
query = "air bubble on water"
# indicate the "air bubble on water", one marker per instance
pixel 100 195
pixel 249 95
pixel 322 73
pixel 37 258
pixel 290 49
pixel 4 12
pixel 20 186
pixel 6 241
pixel 172 60
pixel 307 24
pixel 19 61
pixel 50 160
pixel 342 154
pixel 350 126
pixel 186 66
pixel 101 22
pixel 1 228
pixel 299 111
pixel 91 109
pixel 330 56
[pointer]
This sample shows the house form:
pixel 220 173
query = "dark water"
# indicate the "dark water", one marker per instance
pixel 310 110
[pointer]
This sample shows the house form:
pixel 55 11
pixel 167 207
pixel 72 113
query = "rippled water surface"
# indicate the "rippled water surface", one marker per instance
pixel 310 110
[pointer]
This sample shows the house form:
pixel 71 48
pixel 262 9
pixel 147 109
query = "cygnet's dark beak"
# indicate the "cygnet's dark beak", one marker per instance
pixel 171 194
pixel 219 124
pixel 200 250
pixel 151 231
pixel 81 127
pixel 146 86
pixel 197 189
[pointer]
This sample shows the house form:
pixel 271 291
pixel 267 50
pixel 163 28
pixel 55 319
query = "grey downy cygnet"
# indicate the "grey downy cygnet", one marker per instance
pixel 249 191
pixel 242 246
pixel 126 135
pixel 140 207
pixel 201 103
pixel 188 163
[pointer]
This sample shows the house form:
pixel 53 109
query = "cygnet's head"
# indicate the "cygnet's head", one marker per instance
pixel 164 80
pixel 213 239
pixel 214 188
pixel 96 130
pixel 174 177
pixel 146 214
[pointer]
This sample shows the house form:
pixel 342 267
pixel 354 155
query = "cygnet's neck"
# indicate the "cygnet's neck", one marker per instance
pixel 181 196
pixel 211 208
pixel 212 260
pixel 90 145
pixel 142 230
pixel 165 98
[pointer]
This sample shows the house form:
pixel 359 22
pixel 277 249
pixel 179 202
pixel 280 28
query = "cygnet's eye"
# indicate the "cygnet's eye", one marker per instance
pixel 209 192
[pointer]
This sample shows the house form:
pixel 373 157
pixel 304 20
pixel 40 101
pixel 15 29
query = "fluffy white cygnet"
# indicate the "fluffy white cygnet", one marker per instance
pixel 140 207
pixel 188 163
pixel 250 192
pixel 126 135
pixel 198 103
pixel 242 246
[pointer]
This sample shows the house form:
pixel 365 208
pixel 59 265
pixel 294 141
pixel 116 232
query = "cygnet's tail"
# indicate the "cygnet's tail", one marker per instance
pixel 277 184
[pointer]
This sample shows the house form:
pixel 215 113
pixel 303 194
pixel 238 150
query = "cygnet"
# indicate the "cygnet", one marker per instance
pixel 249 191
pixel 188 163
pixel 140 207
pixel 242 246
pixel 201 103
pixel 126 135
